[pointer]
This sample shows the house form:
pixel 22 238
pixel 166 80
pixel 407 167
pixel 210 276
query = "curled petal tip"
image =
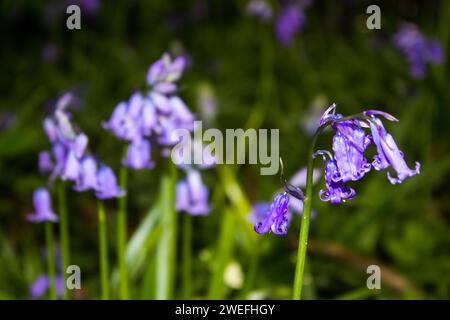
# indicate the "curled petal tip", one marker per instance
pixel 386 115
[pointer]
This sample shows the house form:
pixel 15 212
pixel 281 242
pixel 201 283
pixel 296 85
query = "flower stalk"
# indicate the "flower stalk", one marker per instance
pixel 122 236
pixel 103 251
pixel 49 239
pixel 64 234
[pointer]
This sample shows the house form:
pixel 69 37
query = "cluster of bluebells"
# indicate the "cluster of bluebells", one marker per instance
pixel 289 21
pixel 345 163
pixel 152 117
pixel 348 162
pixel 417 49
pixel 69 160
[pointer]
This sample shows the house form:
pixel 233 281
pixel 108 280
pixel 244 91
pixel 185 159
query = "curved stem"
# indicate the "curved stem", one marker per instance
pixel 103 250
pixel 306 217
pixel 64 234
pixel 122 236
pixel 50 258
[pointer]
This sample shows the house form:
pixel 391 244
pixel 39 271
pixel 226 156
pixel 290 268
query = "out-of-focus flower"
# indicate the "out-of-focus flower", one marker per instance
pixel 417 49
pixel 42 206
pixel 42 284
pixel 153 115
pixel 45 162
pixel 138 155
pixel 107 184
pixel 49 53
pixel 261 9
pixel 289 22
pixel 208 103
pixel 276 218
pixel 87 179
pixel 192 195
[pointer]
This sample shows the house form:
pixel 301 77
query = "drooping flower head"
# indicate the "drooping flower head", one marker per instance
pixel 42 206
pixel 276 218
pixel 389 155
pixel 417 49
pixel 348 162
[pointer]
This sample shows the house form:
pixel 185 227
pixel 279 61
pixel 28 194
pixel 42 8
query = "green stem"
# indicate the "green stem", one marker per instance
pixel 187 255
pixel 50 258
pixel 103 251
pixel 122 236
pixel 167 246
pixel 64 234
pixel 222 256
pixel 306 217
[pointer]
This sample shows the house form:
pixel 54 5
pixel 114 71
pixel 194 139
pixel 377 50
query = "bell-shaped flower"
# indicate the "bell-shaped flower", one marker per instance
pixel 349 143
pixel 192 195
pixel 276 218
pixel 389 155
pixel 88 175
pixel 139 155
pixel 42 206
pixel 336 191
pixel 72 167
pixel 107 184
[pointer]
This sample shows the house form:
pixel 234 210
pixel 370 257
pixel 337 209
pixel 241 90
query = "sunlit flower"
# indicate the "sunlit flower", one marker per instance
pixel 276 218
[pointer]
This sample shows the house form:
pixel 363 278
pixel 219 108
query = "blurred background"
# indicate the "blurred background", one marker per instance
pixel 249 66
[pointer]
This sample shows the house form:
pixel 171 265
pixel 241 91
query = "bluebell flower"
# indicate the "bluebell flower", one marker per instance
pixel 87 179
pixel 289 22
pixel 45 162
pixel 276 218
pixel 389 155
pixel 139 155
pixel 42 284
pixel 417 49
pixel 192 195
pixel 42 206
pixel 336 192
pixel 261 9
pixel 107 184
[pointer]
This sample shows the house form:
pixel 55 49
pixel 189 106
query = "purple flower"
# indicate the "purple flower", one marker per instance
pixel 166 70
pixel 336 191
pixel 72 167
pixel 260 9
pixel 349 143
pixel 45 162
pixel 41 285
pixel 192 195
pixel 276 218
pixel 107 184
pixel 138 155
pixel 42 206
pixel 389 154
pixel 87 178
pixel 289 22
pixel 417 49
